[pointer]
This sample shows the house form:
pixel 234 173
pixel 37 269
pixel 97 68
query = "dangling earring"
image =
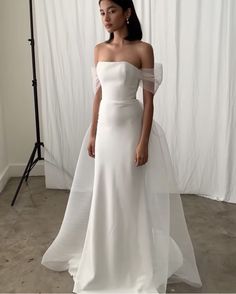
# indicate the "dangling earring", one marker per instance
pixel 127 20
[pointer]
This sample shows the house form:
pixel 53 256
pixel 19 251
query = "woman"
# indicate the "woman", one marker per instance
pixel 136 52
pixel 124 229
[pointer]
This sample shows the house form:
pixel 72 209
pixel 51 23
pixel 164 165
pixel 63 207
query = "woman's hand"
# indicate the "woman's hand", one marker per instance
pixel 141 154
pixel 91 146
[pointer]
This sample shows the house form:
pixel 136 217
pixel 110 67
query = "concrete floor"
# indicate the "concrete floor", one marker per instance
pixel 29 227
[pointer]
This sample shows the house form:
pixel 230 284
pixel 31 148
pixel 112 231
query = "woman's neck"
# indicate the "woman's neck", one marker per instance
pixel 119 35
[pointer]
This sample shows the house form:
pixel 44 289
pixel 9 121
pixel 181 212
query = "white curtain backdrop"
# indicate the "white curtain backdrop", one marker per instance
pixel 195 105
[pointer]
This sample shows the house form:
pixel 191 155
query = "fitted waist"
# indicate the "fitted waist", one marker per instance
pixel 120 101
pixel 119 112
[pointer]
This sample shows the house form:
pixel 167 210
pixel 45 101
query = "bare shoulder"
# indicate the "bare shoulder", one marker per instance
pixel 146 54
pixel 98 49
pixel 144 47
pixel 143 44
pixel 99 46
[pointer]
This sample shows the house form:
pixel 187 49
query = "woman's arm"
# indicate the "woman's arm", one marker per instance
pixel 96 102
pixel 141 155
pixel 96 105
pixel 147 62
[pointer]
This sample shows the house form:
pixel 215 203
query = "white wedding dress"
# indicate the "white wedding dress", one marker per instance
pixel 124 229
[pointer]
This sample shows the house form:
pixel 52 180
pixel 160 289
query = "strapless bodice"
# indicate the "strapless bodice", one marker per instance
pixel 119 80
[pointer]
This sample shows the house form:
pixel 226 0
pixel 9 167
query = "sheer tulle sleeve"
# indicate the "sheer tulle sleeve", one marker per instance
pixel 151 78
pixel 95 80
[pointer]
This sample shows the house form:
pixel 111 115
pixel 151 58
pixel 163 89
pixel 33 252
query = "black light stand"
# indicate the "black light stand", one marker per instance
pixel 37 147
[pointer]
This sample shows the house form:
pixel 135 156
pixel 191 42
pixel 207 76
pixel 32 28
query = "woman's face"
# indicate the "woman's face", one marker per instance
pixel 113 16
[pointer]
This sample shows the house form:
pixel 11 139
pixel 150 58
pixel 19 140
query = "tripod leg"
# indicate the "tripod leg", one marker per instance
pixel 31 165
pixel 33 162
pixel 23 176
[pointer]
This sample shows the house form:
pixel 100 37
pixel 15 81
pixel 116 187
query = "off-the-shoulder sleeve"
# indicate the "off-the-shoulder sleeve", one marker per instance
pixel 151 78
pixel 95 79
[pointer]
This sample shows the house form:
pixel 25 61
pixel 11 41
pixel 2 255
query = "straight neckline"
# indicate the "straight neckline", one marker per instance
pixel 121 61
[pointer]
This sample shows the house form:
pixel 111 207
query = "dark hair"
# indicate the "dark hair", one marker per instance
pixel 134 26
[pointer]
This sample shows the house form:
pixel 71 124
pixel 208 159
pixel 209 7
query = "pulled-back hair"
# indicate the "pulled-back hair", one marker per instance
pixel 134 26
